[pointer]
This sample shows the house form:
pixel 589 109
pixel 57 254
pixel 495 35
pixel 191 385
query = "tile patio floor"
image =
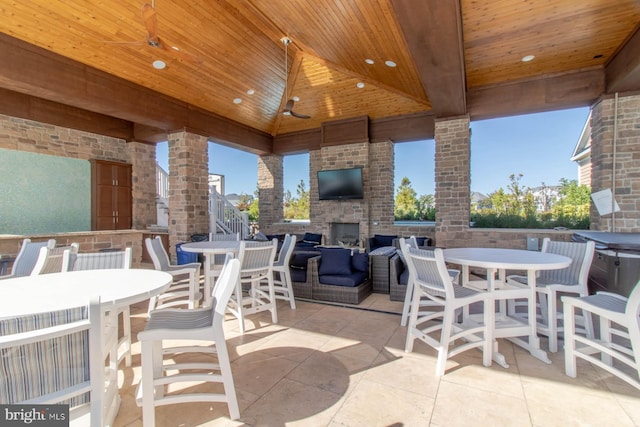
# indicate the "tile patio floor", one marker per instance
pixel 325 365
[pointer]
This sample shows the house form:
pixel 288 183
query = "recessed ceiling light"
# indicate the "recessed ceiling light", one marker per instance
pixel 390 63
pixel 159 65
pixel 175 48
pixel 237 100
pixel 296 98
pixel 369 61
pixel 359 85
pixel 527 58
pixel 251 92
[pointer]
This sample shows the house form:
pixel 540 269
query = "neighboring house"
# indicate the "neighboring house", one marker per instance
pixel 235 199
pixel 217 181
pixel 582 154
pixel 545 196
pixel 477 197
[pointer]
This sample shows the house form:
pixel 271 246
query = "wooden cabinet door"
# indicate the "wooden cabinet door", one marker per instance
pixel 111 204
pixel 122 197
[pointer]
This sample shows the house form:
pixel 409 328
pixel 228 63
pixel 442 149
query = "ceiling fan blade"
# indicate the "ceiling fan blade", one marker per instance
pixel 299 116
pixel 179 53
pixel 288 106
pixel 151 23
pixel 288 111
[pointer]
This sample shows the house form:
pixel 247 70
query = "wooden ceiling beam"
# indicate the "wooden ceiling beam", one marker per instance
pixel 405 128
pixel 568 90
pixel 34 71
pixel 28 107
pixel 433 32
pixel 623 71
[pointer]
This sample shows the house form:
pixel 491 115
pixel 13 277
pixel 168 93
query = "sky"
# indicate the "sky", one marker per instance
pixel 538 146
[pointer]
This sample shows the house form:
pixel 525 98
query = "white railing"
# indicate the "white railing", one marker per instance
pixel 226 217
pixel 162 182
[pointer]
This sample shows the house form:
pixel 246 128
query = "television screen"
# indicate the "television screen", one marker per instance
pixel 340 184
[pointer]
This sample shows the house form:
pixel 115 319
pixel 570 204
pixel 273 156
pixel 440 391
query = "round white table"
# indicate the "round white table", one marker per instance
pixel 57 291
pixel 209 249
pixel 39 295
pixel 495 260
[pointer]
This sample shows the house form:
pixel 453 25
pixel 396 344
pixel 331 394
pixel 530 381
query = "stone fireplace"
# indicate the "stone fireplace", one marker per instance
pixel 347 234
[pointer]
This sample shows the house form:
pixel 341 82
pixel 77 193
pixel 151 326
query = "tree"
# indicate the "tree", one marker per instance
pixel 303 200
pixel 297 207
pixel 516 208
pixel 406 206
pixel 254 210
pixel 427 207
pixel 244 202
pixel 572 210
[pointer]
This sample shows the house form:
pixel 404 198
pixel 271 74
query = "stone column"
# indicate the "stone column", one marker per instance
pixel 143 159
pixel 271 190
pixel 381 191
pixel 453 182
pixel 188 186
pixel 609 148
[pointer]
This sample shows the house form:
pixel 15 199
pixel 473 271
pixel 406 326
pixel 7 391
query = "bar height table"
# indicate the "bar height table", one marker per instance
pixel 494 261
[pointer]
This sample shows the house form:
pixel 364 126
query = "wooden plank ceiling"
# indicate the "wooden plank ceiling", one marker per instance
pixel 451 57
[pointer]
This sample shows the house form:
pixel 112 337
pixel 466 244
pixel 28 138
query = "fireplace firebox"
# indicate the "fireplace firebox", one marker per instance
pixel 344 234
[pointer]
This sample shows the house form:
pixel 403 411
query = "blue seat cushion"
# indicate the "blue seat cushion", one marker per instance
pixel 299 258
pixel 384 240
pixel 423 241
pixel 305 245
pixel 381 240
pixel 348 280
pixel 298 274
pixel 312 238
pixel 335 261
pixel 280 237
pixel 404 277
pixel 360 262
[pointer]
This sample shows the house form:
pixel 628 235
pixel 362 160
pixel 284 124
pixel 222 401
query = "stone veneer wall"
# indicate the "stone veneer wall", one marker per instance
pixel 381 194
pixel 324 212
pixel 627 161
pixel 453 183
pixel 144 184
pixel 188 187
pixel 271 190
pixel 28 135
pixel 91 241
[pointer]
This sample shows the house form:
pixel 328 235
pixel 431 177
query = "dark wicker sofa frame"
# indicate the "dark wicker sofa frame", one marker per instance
pixel 304 289
pixel 396 290
pixel 343 294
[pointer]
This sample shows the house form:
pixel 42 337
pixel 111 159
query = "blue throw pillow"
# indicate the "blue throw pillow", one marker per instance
pixel 423 241
pixel 312 238
pixel 383 240
pixel 360 262
pixel 335 261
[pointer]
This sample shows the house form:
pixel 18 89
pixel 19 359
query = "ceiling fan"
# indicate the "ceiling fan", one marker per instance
pixel 150 21
pixel 288 108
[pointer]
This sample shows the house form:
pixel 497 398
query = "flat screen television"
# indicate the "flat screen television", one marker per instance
pixel 338 184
